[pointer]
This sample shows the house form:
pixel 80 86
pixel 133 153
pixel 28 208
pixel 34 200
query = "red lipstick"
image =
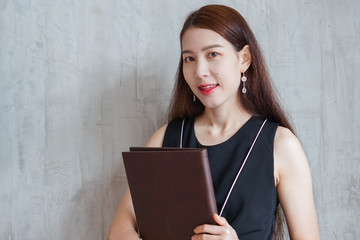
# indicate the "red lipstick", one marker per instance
pixel 208 88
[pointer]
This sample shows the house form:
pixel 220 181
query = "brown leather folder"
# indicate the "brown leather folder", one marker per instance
pixel 171 190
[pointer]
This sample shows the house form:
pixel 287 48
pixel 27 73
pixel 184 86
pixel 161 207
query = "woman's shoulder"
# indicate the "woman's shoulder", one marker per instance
pixel 157 138
pixel 172 128
pixel 285 141
pixel 289 156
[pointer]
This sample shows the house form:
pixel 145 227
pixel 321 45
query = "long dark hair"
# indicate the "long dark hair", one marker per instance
pixel 260 99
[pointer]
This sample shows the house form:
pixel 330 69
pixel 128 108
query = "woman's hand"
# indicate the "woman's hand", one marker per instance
pixel 223 231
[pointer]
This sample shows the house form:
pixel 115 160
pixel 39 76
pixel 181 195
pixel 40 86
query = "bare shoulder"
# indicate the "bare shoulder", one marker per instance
pixel 286 142
pixel 289 156
pixel 157 138
pixel 286 145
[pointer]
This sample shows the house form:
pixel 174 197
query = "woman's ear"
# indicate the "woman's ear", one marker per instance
pixel 245 58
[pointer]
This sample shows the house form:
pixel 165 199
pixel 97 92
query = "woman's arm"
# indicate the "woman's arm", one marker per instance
pixel 124 223
pixel 294 186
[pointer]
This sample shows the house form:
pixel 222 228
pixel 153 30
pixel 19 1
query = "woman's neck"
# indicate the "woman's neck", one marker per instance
pixel 215 126
pixel 224 119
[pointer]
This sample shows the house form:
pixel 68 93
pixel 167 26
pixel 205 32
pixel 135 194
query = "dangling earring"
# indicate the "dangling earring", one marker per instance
pixel 194 98
pixel 243 79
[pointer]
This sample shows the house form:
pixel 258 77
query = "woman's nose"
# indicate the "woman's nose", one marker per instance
pixel 202 69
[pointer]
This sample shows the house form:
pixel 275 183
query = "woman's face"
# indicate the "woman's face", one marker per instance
pixel 212 67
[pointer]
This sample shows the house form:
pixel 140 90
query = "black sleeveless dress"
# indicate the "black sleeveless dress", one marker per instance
pixel 252 204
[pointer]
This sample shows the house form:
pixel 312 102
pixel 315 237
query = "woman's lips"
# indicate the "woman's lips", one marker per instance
pixel 208 88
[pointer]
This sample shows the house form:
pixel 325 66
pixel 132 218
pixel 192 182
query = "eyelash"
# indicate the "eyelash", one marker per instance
pixel 211 55
pixel 187 59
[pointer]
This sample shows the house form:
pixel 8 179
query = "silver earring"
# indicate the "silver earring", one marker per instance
pixel 194 98
pixel 244 79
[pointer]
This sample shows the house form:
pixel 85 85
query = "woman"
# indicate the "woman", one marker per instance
pixel 222 98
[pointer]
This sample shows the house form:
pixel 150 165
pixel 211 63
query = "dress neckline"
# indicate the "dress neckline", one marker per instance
pixel 238 132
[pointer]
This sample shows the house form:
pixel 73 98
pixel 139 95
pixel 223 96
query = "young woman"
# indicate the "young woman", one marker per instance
pixel 222 98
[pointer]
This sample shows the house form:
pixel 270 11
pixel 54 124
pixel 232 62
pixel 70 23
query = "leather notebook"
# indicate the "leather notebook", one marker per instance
pixel 171 190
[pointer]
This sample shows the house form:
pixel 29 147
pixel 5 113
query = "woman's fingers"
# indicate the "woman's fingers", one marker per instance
pixel 208 229
pixel 205 237
pixel 213 232
pixel 221 220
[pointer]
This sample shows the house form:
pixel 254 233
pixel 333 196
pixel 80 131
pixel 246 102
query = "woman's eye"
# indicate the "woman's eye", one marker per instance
pixel 213 54
pixel 189 59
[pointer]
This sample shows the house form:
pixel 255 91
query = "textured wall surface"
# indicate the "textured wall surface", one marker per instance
pixel 81 81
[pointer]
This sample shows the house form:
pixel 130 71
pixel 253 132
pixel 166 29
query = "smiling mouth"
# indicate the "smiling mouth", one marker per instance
pixel 208 89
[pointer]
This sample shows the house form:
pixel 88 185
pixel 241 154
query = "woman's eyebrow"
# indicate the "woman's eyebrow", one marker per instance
pixel 204 48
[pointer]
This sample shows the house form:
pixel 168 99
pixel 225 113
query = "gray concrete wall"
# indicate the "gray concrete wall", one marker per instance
pixel 81 81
